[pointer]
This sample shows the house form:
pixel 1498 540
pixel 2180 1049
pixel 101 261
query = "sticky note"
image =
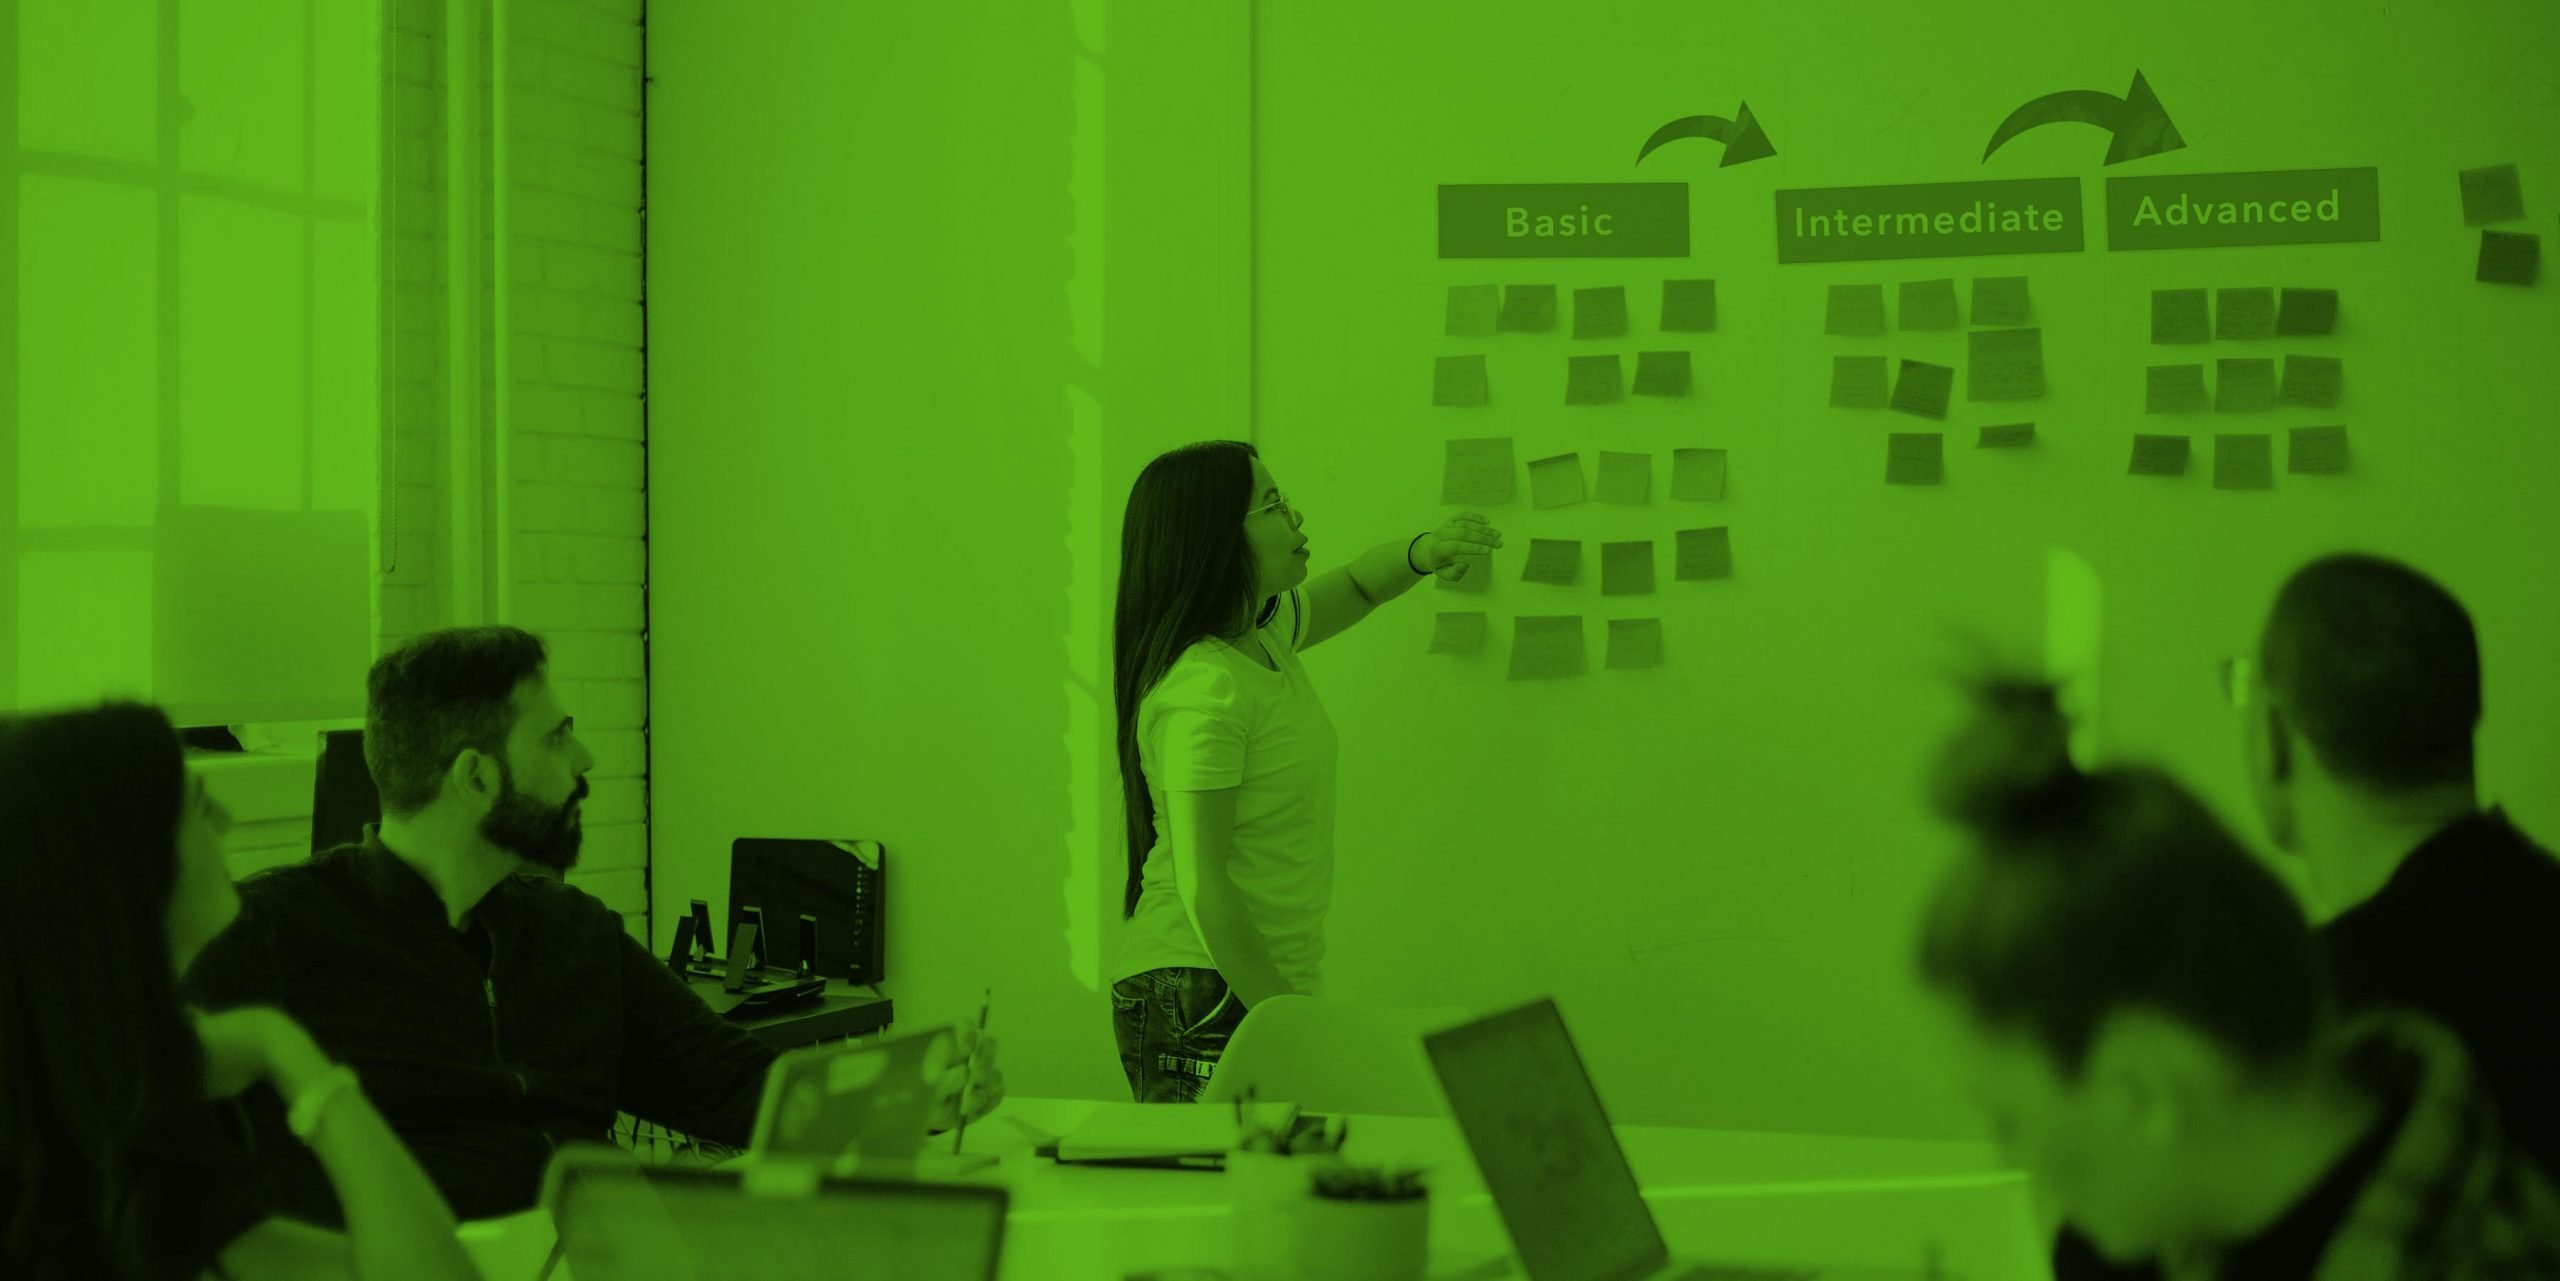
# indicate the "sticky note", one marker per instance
pixel 1626 569
pixel 2243 461
pixel 1458 380
pixel 1546 646
pixel 1688 306
pixel 1479 574
pixel 1697 475
pixel 2173 389
pixel 1592 380
pixel 2307 311
pixel 2317 451
pixel 1600 312
pixel 2509 258
pixel 2006 364
pixel 1556 482
pixel 1914 458
pixel 1928 304
pixel 1528 309
pixel 1625 478
pixel 2007 436
pixel 2310 381
pixel 1703 553
pixel 1662 373
pixel 1921 388
pixel 1458 632
pixel 2244 386
pixel 2159 455
pixel 1857 382
pixel 1477 472
pixel 2243 314
pixel 1855 311
pixel 2180 316
pixel 1553 560
pixel 1472 310
pixel 2000 302
pixel 2491 194
pixel 1634 643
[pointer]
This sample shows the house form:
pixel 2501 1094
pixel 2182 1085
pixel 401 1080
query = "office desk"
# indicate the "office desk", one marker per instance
pixel 1720 1194
pixel 841 1012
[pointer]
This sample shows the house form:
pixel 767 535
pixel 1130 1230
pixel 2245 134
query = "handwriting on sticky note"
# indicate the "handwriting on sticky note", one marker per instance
pixel 2000 302
pixel 1528 309
pixel 1600 312
pixel 1927 304
pixel 2317 451
pixel 1458 380
pixel 1688 306
pixel 1592 380
pixel 1921 388
pixel 2311 381
pixel 2007 436
pixel 2490 194
pixel 1914 458
pixel 2005 364
pixel 2508 258
pixel 1857 382
pixel 1634 643
pixel 2307 311
pixel 2180 316
pixel 2173 389
pixel 1477 472
pixel 1626 569
pixel 2244 314
pixel 1697 475
pixel 1556 482
pixel 1553 560
pixel 1473 309
pixel 2243 461
pixel 1546 646
pixel 2155 455
pixel 1662 373
pixel 1458 632
pixel 2244 385
pixel 1702 553
pixel 1625 478
pixel 1855 311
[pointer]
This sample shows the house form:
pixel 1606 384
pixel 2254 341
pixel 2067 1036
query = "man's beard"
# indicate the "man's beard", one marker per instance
pixel 531 830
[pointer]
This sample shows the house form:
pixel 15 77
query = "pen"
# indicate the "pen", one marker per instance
pixel 969 1069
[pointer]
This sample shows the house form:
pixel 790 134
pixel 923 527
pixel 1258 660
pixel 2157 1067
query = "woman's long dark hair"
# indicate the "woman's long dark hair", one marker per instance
pixel 1185 568
pixel 102 1119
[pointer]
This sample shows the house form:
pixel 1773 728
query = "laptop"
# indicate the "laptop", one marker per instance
pixel 620 1220
pixel 853 1108
pixel 1561 1183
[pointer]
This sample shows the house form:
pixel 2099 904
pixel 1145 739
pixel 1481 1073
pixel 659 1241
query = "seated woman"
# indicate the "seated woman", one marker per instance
pixel 2142 1018
pixel 126 1154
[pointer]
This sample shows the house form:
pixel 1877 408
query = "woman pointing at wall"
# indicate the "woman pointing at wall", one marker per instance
pixel 1226 754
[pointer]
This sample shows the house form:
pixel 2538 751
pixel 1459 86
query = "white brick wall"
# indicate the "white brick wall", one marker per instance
pixel 576 537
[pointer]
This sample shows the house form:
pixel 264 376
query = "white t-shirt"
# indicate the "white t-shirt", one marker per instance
pixel 1219 718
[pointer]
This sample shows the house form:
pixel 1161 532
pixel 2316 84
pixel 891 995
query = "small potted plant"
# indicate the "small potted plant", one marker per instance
pixel 1364 1223
pixel 1269 1177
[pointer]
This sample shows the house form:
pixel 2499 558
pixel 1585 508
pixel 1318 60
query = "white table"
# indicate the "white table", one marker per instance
pixel 1732 1195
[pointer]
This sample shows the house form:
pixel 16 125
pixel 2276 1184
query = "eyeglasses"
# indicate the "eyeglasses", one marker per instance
pixel 1281 503
pixel 2239 680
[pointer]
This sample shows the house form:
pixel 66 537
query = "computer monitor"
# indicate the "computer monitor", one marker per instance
pixel 342 795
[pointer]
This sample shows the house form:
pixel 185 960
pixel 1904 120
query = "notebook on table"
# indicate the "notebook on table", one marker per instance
pixel 1176 1135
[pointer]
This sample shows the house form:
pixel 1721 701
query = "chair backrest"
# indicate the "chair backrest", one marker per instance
pixel 1326 1056
pixel 343 799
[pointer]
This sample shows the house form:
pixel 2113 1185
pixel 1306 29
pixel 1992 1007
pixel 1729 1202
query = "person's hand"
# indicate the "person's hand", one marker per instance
pixel 255 1043
pixel 974 1059
pixel 1465 534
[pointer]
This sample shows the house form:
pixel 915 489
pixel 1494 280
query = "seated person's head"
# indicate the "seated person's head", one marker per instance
pixel 2365 683
pixel 111 880
pixel 2132 993
pixel 462 731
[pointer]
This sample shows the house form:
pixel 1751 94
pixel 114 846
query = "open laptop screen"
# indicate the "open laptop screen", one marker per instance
pixel 676 1223
pixel 1520 1095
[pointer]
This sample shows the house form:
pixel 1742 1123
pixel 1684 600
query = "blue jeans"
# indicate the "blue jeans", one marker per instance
pixel 1172 1025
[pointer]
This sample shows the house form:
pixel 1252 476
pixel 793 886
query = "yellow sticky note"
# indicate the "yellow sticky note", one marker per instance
pixel 1625 478
pixel 1857 382
pixel 2156 455
pixel 2311 381
pixel 1472 310
pixel 1703 553
pixel 1855 311
pixel 1553 560
pixel 2173 389
pixel 1556 482
pixel 1634 643
pixel 1697 475
pixel 1626 569
pixel 1914 458
pixel 1546 646
pixel 1458 632
pixel 1477 472
pixel 1929 304
pixel 2244 386
pixel 1458 380
pixel 2243 461
pixel 2244 314
pixel 2005 364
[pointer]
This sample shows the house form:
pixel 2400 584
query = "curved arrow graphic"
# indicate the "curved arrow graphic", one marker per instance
pixel 2139 123
pixel 1742 136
